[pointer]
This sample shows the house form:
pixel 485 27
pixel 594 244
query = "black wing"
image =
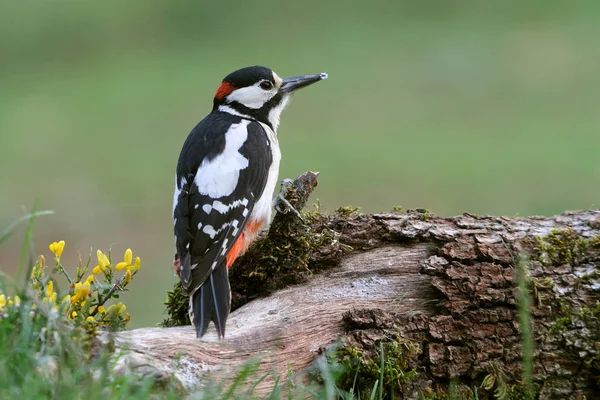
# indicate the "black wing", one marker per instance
pixel 207 224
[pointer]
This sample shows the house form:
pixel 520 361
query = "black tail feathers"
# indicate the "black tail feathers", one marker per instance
pixel 212 302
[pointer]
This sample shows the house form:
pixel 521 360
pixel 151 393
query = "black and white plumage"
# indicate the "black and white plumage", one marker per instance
pixel 226 174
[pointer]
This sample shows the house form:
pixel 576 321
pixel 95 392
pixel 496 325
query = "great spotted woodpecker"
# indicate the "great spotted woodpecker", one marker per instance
pixel 226 175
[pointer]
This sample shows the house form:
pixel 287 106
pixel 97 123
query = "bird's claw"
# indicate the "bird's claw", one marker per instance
pixel 281 204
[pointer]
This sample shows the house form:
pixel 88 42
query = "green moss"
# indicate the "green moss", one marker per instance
pixel 177 307
pixel 453 392
pixel 362 368
pixel 423 213
pixel 578 330
pixel 496 384
pixel 575 327
pixel 588 278
pixel 283 257
pixel 563 247
pixel 397 210
pixel 538 285
pixel 347 211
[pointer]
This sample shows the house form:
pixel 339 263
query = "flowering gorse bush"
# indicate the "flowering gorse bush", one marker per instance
pixel 85 301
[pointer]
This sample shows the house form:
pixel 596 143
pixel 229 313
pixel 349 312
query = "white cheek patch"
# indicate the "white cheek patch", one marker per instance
pixel 275 113
pixel 251 96
pixel 219 176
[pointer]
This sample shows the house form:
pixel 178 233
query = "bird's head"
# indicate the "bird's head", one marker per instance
pixel 259 93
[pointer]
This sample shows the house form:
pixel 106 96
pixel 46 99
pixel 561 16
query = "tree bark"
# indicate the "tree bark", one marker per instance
pixel 446 286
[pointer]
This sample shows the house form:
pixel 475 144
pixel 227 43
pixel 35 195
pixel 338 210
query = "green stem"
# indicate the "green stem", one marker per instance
pixel 64 271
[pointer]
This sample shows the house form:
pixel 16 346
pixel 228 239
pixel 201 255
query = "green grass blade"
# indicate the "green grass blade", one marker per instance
pixel 527 344
pixel 240 378
pixel 253 387
pixel 258 381
pixel 27 246
pixel 381 368
pixel 276 393
pixel 9 230
pixel 309 391
pixel 289 381
pixel 328 379
pixel 374 390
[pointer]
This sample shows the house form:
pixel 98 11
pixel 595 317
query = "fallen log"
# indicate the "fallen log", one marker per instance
pixel 438 294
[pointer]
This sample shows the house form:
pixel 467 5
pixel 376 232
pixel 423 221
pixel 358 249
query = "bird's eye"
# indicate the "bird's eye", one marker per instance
pixel 266 85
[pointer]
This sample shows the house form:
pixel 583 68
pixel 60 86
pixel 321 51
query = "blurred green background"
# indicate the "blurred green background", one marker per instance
pixel 486 107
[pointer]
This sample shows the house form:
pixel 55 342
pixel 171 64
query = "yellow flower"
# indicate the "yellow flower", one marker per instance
pixel 128 262
pixel 90 319
pixel 10 302
pixel 101 310
pixel 2 301
pixel 81 291
pixel 127 317
pixel 49 288
pixel 103 263
pixel 105 259
pixel 136 266
pixel 73 315
pixel 127 277
pixel 90 278
pixel 66 299
pixel 17 301
pixel 116 309
pixel 57 248
pixel 128 257
pixel 121 265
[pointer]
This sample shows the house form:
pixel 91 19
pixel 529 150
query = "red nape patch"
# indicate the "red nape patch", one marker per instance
pixel 244 240
pixel 224 90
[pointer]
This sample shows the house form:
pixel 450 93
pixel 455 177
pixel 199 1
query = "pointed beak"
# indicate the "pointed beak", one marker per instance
pixel 297 82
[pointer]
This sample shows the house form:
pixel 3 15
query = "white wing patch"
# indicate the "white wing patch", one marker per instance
pixel 210 230
pixel 219 176
pixel 223 208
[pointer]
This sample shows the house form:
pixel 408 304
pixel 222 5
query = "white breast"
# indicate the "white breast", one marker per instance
pixel 263 207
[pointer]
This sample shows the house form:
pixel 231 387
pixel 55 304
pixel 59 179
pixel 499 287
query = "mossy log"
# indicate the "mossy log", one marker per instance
pixel 440 293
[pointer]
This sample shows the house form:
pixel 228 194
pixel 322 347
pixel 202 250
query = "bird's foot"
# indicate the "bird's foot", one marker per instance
pixel 281 204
